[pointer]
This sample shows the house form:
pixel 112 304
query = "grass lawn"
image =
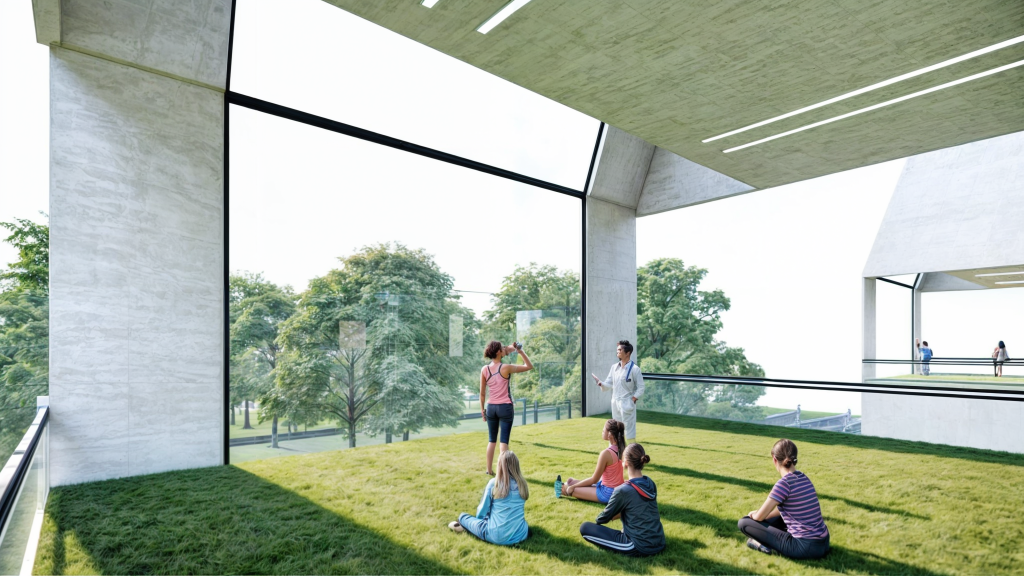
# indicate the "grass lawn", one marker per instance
pixel 891 506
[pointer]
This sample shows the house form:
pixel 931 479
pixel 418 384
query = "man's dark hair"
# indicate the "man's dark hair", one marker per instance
pixel 925 342
pixel 626 346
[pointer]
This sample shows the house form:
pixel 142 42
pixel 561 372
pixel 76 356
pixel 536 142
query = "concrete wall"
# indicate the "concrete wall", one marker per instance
pixel 136 276
pixel 611 292
pixel 955 209
pixel 675 182
pixel 989 424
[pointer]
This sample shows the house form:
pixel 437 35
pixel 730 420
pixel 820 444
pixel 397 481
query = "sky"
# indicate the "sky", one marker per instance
pixel 789 257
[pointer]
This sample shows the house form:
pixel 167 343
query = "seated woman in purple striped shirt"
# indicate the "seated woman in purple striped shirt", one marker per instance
pixel 789 522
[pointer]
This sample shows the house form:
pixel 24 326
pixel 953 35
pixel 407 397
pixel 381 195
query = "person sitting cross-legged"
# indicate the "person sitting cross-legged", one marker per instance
pixel 608 474
pixel 635 501
pixel 789 522
pixel 501 517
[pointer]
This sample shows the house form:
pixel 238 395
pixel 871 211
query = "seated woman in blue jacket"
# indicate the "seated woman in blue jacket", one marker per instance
pixel 500 518
pixel 636 502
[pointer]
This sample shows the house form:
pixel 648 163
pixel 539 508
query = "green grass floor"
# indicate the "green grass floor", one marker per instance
pixel 892 507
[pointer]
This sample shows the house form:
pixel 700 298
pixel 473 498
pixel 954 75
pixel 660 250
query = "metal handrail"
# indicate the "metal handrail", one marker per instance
pixel 951 361
pixel 13 474
pixel 874 388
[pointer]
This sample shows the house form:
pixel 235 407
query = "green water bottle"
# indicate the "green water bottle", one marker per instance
pixel 558 486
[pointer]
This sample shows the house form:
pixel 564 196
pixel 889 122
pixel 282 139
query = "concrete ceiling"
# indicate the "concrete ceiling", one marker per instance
pixel 675 72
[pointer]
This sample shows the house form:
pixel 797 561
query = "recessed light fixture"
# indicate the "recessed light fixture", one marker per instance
pixel 500 16
pixel 881 105
pixel 998 274
pixel 884 83
pixel 1012 282
pixel 429 3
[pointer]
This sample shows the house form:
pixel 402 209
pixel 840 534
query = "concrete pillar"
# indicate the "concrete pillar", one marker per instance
pixel 916 328
pixel 869 331
pixel 611 292
pixel 137 271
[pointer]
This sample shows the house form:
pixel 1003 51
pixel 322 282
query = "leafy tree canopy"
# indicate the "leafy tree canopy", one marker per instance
pixel 31 271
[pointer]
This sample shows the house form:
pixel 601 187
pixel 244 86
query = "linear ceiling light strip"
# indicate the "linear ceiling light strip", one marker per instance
pixel 429 3
pixel 881 105
pixel 998 274
pixel 882 84
pixel 500 16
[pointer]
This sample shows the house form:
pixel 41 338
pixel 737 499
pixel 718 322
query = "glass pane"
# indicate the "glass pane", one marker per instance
pixel 309 55
pixel 26 516
pixel 367 281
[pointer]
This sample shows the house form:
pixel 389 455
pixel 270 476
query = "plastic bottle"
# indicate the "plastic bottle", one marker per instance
pixel 558 486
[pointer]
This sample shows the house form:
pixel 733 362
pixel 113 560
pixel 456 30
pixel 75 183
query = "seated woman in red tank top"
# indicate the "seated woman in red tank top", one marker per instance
pixel 608 473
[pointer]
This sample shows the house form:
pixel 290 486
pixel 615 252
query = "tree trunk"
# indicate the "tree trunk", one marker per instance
pixel 247 426
pixel 387 437
pixel 352 435
pixel 273 433
pixel 232 415
pixel 405 436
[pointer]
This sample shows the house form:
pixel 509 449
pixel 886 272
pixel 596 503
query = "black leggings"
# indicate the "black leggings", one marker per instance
pixel 607 538
pixel 772 533
pixel 500 416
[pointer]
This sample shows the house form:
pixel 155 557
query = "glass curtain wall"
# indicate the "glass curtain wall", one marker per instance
pixel 366 282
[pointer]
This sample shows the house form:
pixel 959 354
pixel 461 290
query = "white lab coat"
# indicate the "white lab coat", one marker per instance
pixel 625 383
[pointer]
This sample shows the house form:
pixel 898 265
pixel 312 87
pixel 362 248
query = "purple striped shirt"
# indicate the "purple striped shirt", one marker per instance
pixel 798 504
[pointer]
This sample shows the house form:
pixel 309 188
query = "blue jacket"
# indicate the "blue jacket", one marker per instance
pixel 506 517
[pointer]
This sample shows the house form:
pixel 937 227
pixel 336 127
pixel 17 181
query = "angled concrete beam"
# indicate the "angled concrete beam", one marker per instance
pixel 46 14
pixel 622 164
pixel 675 182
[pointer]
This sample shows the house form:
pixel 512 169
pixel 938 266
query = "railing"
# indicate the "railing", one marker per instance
pixel 24 481
pixel 524 412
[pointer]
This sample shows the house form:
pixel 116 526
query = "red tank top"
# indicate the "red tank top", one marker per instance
pixel 497 387
pixel 612 476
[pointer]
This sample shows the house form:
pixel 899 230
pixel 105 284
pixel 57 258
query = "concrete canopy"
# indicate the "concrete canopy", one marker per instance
pixel 674 73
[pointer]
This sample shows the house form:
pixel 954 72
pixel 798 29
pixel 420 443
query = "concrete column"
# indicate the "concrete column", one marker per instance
pixel 869 331
pixel 137 271
pixel 917 327
pixel 611 292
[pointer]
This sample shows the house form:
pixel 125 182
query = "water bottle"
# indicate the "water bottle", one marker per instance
pixel 558 486
pixel 514 356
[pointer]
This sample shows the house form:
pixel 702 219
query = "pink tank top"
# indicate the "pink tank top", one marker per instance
pixel 612 476
pixel 497 387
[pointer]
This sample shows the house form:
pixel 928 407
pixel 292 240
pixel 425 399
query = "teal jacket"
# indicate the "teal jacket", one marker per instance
pixel 506 517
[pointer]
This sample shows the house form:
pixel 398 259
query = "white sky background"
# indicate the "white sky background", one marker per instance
pixel 789 258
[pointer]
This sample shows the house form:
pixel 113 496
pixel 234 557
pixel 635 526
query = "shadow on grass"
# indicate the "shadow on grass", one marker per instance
pixel 220 520
pixel 846 561
pixel 830 438
pixel 678 556
pixel 680 447
pixel 765 487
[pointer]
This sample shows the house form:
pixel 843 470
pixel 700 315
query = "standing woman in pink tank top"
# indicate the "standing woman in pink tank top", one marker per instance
pixel 496 388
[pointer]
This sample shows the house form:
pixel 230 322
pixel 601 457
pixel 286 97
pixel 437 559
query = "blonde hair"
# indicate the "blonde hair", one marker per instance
pixel 508 469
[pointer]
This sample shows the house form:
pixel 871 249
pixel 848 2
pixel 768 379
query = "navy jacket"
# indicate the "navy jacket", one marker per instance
pixel 641 520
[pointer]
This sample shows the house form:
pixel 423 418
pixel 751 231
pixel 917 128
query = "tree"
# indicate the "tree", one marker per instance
pixel 258 308
pixel 368 345
pixel 676 327
pixel 24 329
pixel 554 335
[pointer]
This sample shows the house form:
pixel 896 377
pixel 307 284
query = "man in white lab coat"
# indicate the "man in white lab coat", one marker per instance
pixel 627 386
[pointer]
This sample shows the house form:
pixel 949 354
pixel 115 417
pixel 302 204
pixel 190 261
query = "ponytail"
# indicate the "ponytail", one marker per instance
pixel 785 452
pixel 618 431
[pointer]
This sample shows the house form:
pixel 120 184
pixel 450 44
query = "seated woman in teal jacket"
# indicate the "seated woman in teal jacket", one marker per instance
pixel 500 518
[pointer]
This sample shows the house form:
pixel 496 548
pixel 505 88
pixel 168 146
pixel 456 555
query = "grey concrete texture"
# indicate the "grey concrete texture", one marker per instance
pixel 674 73
pixel 611 292
pixel 986 424
pixel 184 38
pixel 136 273
pixel 869 327
pixel 622 166
pixel 675 182
pixel 957 209
pixel 942 282
pixel 46 17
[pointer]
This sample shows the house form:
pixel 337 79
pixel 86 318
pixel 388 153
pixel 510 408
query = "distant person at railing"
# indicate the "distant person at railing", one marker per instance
pixel 1000 355
pixel 635 502
pixel 626 383
pixel 926 358
pixel 496 390
pixel 608 474
pixel 501 516
pixel 789 522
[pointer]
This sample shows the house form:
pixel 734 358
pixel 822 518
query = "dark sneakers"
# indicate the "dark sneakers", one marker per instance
pixel 755 545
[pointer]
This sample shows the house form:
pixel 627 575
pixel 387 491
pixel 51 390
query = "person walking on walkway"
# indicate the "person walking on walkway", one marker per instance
pixel 626 383
pixel 1000 355
pixel 636 503
pixel 926 358
pixel 789 522
pixel 496 388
